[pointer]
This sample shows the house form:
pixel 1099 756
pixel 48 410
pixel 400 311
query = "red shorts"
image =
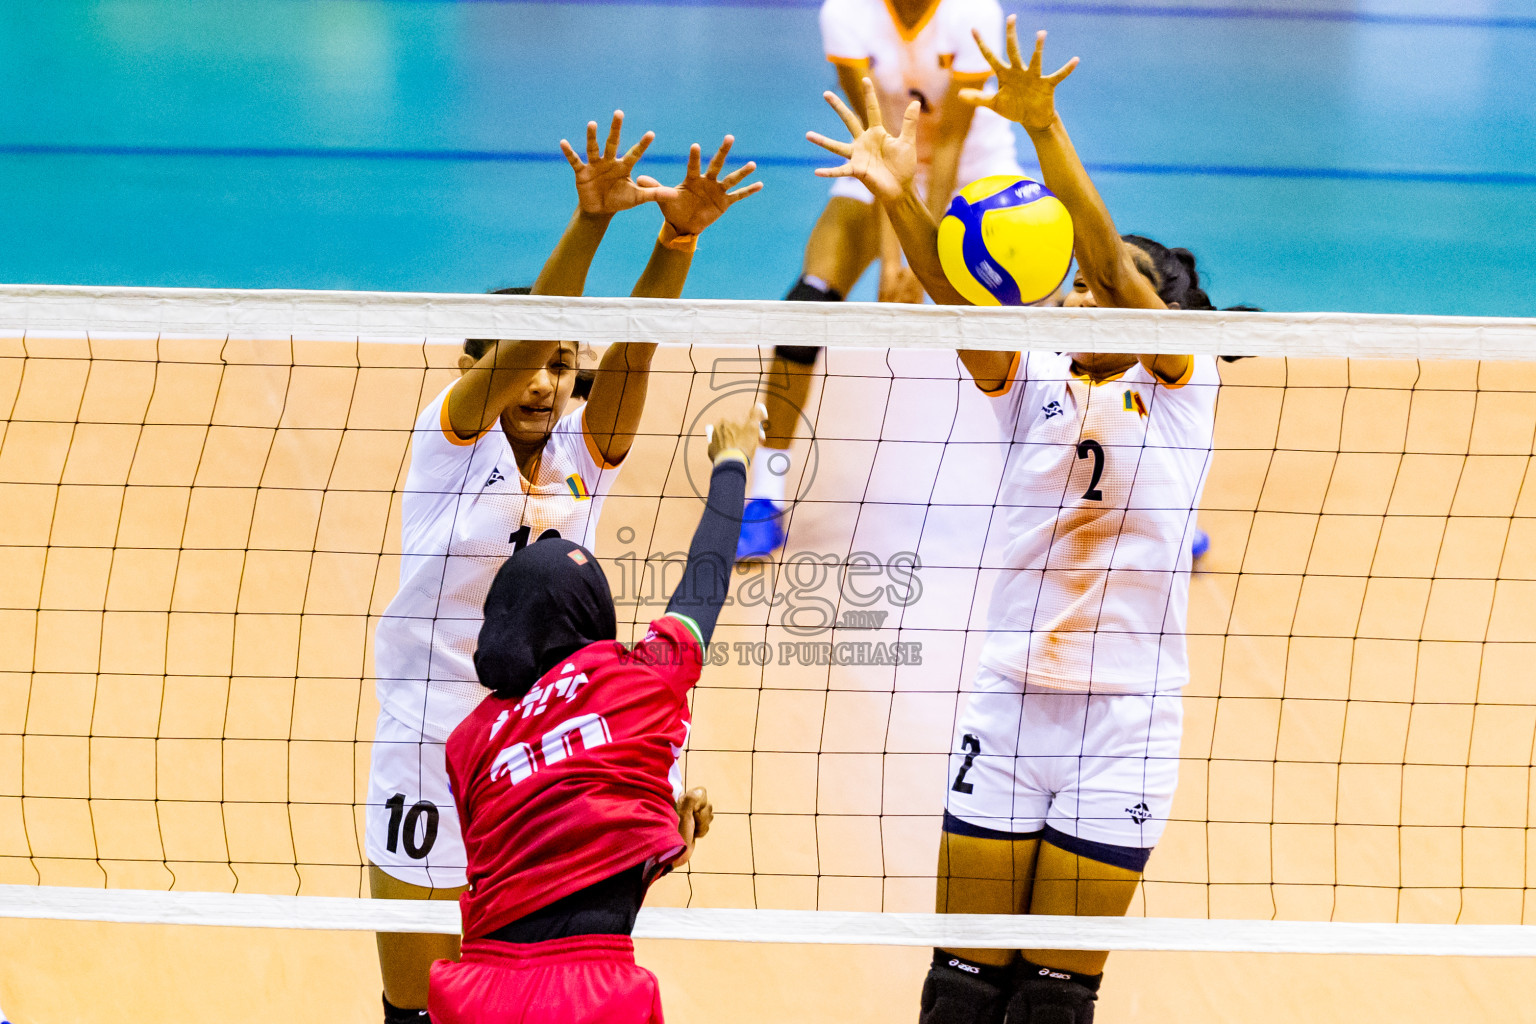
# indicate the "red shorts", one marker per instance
pixel 584 980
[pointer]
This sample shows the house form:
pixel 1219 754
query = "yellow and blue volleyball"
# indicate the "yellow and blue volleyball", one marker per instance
pixel 1005 241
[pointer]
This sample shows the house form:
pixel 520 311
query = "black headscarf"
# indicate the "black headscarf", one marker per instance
pixel 548 601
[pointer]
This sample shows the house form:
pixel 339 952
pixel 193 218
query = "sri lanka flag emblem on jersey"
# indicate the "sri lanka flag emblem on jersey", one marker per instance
pixel 1133 403
pixel 578 486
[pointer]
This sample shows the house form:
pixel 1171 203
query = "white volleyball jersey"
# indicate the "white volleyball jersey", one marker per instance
pixel 918 64
pixel 1096 515
pixel 466 508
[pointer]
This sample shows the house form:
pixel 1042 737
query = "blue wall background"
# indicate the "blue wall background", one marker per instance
pixel 1377 155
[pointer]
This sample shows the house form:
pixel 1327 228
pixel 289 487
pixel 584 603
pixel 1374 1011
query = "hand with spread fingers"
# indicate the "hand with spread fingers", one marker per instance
pixel 694 815
pixel 603 183
pixel 736 435
pixel 1024 95
pixel 885 163
pixel 703 195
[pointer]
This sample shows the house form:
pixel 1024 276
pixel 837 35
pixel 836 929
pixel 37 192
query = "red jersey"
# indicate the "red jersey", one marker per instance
pixel 576 781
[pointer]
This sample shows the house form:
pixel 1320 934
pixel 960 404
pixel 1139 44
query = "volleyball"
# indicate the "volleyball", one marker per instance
pixel 1005 241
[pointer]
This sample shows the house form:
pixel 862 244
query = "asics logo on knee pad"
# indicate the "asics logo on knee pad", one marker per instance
pixel 1046 972
pixel 968 968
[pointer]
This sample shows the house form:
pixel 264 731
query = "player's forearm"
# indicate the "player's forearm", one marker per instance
pixel 479 397
pixel 707 576
pixel 565 272
pixel 943 172
pixel 617 401
pixel 919 235
pixel 1095 239
pixel 890 245
pixel 664 275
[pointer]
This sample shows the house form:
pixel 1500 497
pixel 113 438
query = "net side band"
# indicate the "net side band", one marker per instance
pixel 964 931
pixel 431 317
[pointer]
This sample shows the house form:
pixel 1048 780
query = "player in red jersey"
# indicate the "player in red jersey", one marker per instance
pixel 567 779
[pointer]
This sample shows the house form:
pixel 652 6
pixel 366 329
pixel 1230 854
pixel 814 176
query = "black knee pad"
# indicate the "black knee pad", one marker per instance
pixel 958 991
pixel 1048 996
pixel 804 291
pixel 801 355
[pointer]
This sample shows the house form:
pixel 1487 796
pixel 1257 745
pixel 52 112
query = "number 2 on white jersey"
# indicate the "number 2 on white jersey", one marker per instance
pixel 1085 449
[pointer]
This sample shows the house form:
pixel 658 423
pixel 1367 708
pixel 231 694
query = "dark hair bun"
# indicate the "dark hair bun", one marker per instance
pixel 1178 282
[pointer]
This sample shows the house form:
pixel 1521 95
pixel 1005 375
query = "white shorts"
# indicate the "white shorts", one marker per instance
pixel 1098 767
pixel 411 829
pixel 973 165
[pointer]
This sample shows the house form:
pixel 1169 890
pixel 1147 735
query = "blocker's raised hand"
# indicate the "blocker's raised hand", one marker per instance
pixel 885 163
pixel 703 196
pixel 1023 94
pixel 603 184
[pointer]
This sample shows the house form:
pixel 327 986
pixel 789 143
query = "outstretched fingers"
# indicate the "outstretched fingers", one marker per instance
pixel 872 115
pixel 909 122
pixel 844 171
pixel 717 162
pixel 570 155
pixel 998 67
pixel 652 191
pixel 1062 72
pixel 694 152
pixel 735 177
pixel 1013 47
pixel 611 150
pixel 977 98
pixel 742 193
pixel 849 118
pixel 842 149
pixel 638 150
pixel 592 151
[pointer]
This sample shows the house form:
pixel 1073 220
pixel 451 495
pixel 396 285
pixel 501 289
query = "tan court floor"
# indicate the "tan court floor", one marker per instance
pixel 189 651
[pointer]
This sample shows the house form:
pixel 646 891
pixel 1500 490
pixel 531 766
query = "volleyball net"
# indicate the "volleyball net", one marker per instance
pixel 200 526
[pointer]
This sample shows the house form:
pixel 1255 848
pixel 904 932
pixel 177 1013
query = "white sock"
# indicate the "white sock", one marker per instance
pixel 770 470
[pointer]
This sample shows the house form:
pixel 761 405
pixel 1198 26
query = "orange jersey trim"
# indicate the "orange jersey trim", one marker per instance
pixel 909 34
pixel 448 431
pixel 970 77
pixel 1007 385
pixel 856 63
pixel 592 448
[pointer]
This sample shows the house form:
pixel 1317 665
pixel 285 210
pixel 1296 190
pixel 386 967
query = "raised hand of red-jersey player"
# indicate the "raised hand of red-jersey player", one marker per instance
pixel 603 183
pixel 1024 95
pixel 694 815
pixel 885 163
pixel 703 195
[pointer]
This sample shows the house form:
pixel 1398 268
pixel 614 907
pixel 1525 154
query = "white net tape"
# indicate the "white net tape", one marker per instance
pixel 955 931
pixel 417 317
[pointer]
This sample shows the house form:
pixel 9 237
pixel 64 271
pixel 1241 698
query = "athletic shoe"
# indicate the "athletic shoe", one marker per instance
pixel 762 530
pixel 1201 545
